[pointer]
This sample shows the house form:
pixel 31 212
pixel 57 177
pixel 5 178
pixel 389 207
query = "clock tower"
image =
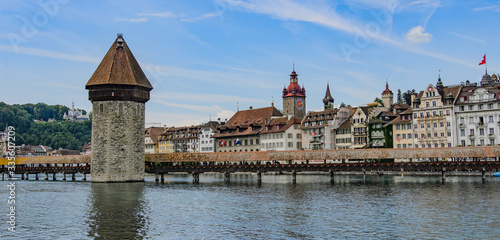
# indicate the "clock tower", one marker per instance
pixel 294 98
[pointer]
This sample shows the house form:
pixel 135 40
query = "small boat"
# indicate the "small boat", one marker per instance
pixel 497 174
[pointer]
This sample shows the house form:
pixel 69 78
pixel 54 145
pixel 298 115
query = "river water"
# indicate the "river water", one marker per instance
pixel 378 207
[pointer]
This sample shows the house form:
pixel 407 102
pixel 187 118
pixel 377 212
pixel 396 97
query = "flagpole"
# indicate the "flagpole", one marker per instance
pixel 485 64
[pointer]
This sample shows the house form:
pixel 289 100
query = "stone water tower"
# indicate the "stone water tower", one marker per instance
pixel 118 90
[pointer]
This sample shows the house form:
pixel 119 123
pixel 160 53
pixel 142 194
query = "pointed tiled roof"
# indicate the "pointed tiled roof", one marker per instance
pixel 328 96
pixel 119 67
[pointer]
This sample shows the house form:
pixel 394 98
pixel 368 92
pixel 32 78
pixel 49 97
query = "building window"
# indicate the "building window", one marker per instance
pixel 414 115
pixel 472 142
pixel 471 107
pixel 251 141
pixel 481 131
pixel 481 142
pixel 290 135
pixel 462 132
pixel 299 136
pixel 257 142
pixel 433 103
pixel 290 144
pixel 490 118
pixel 426 104
pixel 463 143
pixel 461 108
pixel 471 132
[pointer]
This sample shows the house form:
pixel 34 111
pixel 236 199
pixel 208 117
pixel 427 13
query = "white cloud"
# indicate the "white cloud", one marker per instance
pixel 495 8
pixel 223 115
pixel 162 14
pixel 468 37
pixel 47 53
pixel 204 16
pixel 200 97
pixel 418 35
pixel 131 20
pixel 198 108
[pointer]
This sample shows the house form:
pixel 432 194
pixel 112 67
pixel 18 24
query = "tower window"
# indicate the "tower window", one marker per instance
pixel 101 108
pixel 120 108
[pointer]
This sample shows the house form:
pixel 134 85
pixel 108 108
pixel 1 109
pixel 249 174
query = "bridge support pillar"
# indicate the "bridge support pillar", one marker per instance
pixel 364 173
pixel 294 176
pixel 196 177
pixel 54 176
pixel 46 176
pixel 483 174
pixel 402 173
pixel 22 176
pixel 84 178
pixel 259 176
pixel 157 177
pixel 36 176
pixel 27 176
pixel 162 177
pixel 3 176
pixel 73 177
pixel 443 174
pixel 332 176
pixel 227 177
pixel 64 176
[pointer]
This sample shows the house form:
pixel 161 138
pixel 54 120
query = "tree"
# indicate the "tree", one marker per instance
pixel 378 100
pixel 343 104
pixel 400 97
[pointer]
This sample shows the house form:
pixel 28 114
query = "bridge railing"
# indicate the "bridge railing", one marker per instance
pixel 304 155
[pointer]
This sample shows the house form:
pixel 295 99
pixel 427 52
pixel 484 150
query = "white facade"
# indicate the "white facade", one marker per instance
pixel 75 115
pixel 281 135
pixel 433 118
pixel 477 118
pixel 207 143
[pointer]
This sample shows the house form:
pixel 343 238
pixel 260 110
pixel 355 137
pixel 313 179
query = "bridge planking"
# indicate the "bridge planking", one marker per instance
pixel 304 155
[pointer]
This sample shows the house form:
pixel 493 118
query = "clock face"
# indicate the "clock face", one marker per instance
pixel 300 103
pixel 429 89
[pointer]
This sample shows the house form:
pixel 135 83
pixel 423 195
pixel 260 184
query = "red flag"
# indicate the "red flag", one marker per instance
pixel 484 60
pixel 222 143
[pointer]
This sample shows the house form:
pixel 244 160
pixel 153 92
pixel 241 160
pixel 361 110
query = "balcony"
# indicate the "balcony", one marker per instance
pixel 491 135
pixel 461 125
pixel 359 133
pixel 471 136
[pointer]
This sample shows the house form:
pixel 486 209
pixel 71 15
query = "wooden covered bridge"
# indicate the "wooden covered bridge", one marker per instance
pixel 482 159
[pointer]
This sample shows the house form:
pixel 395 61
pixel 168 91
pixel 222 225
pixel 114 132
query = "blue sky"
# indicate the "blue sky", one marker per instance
pixel 204 58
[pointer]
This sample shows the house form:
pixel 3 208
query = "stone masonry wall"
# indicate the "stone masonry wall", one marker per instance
pixel 117 141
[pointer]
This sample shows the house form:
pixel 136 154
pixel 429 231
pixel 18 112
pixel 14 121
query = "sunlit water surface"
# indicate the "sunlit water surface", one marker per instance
pixel 380 207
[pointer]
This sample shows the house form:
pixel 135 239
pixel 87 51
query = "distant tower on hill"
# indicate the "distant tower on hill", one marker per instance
pixel 387 96
pixel 118 90
pixel 294 98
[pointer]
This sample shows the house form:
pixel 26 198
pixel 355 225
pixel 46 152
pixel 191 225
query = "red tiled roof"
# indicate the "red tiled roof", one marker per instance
pixel 154 133
pixel 247 122
pixel 283 122
pixel 312 117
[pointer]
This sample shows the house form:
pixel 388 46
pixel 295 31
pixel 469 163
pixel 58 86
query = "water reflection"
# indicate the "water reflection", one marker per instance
pixel 117 211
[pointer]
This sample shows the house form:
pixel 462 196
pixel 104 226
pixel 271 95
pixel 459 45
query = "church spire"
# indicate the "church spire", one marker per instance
pixel 328 99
